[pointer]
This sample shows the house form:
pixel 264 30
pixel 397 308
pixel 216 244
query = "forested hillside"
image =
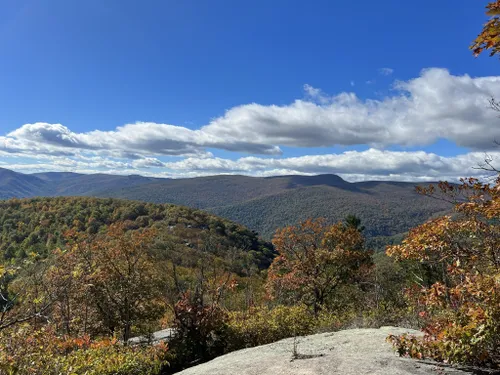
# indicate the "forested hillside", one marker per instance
pixel 70 184
pixel 388 209
pixel 14 184
pixel 383 214
pixel 39 225
pixel 51 184
pixel 218 191
pixel 80 276
pixel 85 272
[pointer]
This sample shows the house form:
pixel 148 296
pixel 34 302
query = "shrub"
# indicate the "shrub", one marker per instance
pixel 41 352
pixel 200 330
pixel 262 326
pixel 462 302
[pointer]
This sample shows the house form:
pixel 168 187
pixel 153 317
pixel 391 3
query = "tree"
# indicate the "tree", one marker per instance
pixel 68 279
pixel 314 260
pixel 354 222
pixel 122 281
pixel 24 297
pixel 200 321
pixel 463 303
pixel 489 38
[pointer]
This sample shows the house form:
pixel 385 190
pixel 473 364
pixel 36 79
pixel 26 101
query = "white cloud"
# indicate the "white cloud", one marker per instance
pixel 371 164
pixel 435 105
pixel 148 163
pixel 432 106
pixel 129 141
pixel 377 164
pixel 385 71
pixel 311 91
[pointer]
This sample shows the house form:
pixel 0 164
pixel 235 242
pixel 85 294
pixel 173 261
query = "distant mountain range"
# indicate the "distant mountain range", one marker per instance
pixel 19 185
pixel 387 209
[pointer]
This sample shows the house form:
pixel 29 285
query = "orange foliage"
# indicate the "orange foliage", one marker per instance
pixel 489 38
pixel 463 305
pixel 314 259
pixel 26 351
pixel 106 284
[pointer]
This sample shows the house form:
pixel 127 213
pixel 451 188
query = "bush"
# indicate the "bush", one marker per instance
pixel 262 326
pixel 453 342
pixel 200 331
pixel 461 303
pixel 41 352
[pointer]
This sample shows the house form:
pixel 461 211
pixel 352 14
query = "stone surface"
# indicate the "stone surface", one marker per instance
pixel 163 335
pixel 348 352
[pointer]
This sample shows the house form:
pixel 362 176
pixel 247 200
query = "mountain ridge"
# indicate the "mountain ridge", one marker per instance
pixel 388 209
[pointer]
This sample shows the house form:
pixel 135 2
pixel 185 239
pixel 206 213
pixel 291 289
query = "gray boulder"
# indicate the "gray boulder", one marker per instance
pixel 156 337
pixel 348 352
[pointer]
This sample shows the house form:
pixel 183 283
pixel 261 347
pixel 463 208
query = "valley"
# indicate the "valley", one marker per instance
pixel 387 209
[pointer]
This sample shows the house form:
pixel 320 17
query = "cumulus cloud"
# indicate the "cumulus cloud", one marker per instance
pixel 435 105
pixel 129 141
pixel 372 163
pixel 311 91
pixel 148 163
pixel 432 106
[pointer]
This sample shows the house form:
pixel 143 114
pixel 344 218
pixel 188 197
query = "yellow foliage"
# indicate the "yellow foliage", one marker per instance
pixel 262 326
pixel 489 38
pixel 41 352
pixel 462 304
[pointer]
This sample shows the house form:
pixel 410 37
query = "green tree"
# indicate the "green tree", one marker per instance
pixel 24 296
pixel 354 222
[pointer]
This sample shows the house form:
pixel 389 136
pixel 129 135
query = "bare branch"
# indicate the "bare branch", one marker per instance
pixel 488 164
pixel 26 318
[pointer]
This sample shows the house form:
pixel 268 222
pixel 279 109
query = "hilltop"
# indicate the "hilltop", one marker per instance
pixel 39 225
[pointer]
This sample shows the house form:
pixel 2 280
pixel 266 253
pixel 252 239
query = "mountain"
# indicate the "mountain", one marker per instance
pixel 263 204
pixel 51 184
pixel 14 184
pixel 67 184
pixel 387 209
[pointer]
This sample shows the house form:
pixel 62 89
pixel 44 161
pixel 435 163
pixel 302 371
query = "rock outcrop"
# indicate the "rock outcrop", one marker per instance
pixel 349 352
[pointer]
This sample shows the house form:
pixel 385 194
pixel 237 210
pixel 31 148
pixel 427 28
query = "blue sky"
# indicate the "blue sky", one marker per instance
pixel 367 90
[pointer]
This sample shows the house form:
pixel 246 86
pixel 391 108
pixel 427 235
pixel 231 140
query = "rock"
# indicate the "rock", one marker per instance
pixel 163 335
pixel 348 352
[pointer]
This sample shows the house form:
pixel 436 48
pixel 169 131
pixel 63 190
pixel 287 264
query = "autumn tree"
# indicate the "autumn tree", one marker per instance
pixel 117 278
pixel 489 38
pixel 69 280
pixel 199 317
pixel 313 260
pixel 24 296
pixel 462 305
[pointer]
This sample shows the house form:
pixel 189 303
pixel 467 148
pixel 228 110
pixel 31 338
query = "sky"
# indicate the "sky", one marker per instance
pixel 384 90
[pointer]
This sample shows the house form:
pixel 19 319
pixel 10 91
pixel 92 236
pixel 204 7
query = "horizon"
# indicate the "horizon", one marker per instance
pixel 215 175
pixel 180 90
